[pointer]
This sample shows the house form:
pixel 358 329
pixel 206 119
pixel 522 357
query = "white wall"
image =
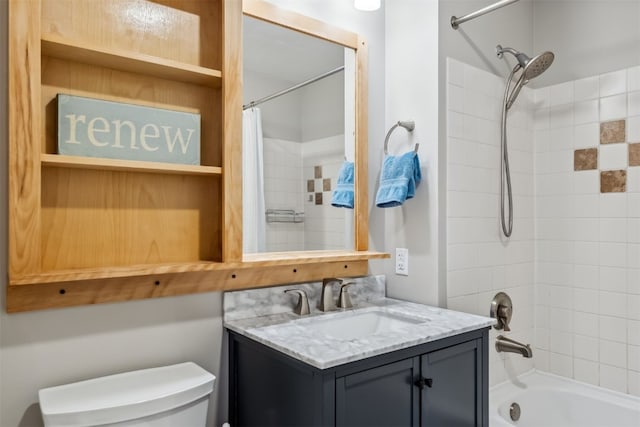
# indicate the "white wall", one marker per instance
pixel 412 94
pixel 40 349
pixel 588 37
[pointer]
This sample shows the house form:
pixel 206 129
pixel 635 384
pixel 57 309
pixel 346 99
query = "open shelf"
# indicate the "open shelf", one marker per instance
pixel 78 51
pixel 62 161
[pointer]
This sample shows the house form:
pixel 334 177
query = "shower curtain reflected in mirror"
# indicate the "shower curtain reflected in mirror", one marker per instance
pixel 253 205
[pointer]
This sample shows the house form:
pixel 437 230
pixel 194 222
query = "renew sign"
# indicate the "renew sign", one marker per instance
pixel 96 128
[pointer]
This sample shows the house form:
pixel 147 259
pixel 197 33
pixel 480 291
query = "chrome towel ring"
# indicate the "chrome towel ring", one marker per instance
pixel 408 125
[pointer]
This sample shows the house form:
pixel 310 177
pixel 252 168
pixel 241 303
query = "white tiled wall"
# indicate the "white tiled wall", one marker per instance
pixel 479 262
pixel 324 224
pixel 587 243
pixel 282 188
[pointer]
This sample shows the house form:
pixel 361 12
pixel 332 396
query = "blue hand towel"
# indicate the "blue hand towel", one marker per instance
pixel 399 178
pixel 343 194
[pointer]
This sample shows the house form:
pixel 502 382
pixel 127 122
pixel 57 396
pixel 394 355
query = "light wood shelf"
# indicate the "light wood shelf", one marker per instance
pixel 78 51
pixel 62 161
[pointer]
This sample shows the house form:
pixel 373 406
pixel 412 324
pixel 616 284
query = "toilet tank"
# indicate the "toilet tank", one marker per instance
pixel 176 395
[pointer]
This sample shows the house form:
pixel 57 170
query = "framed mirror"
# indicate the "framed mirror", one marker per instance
pixel 304 134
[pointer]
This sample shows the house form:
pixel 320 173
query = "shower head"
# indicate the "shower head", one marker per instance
pixel 531 67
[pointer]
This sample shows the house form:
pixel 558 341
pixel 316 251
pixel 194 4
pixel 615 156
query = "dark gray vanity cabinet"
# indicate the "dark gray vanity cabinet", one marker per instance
pixel 438 384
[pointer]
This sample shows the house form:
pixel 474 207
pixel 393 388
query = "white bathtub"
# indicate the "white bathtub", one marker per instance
pixel 548 400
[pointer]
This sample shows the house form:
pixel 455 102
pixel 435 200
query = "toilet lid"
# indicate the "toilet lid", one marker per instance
pixel 124 396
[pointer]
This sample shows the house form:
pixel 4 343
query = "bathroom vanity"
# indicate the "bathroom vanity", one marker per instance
pixel 385 363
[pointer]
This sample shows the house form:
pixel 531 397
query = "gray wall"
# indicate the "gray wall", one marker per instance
pixel 45 348
pixel 588 37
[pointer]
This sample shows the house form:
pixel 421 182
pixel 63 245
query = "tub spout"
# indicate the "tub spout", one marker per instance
pixel 512 346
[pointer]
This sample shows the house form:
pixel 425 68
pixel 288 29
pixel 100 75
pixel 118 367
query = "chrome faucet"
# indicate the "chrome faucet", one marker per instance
pixel 512 346
pixel 327 303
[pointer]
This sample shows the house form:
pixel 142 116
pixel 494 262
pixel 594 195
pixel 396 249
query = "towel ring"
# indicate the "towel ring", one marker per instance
pixel 408 125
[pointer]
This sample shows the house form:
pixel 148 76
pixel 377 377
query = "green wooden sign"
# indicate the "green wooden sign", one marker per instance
pixel 96 128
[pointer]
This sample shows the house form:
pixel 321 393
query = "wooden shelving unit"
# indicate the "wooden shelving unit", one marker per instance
pixel 86 230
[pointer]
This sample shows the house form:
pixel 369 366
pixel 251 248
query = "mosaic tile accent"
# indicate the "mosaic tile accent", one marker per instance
pixel 326 184
pixel 585 159
pixel 318 198
pixel 613 132
pixel 613 181
pixel 311 185
pixel 317 171
pixel 634 154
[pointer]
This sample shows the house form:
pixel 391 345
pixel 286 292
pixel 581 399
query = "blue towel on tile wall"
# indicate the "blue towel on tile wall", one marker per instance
pixel 399 178
pixel 343 194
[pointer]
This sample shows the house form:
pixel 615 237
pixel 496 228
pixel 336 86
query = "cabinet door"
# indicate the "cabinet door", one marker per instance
pixel 453 391
pixel 382 396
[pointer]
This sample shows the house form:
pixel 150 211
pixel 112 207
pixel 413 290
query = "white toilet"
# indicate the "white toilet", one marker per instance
pixel 168 396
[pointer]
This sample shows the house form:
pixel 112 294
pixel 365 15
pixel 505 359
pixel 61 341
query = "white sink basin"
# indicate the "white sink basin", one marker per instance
pixel 354 325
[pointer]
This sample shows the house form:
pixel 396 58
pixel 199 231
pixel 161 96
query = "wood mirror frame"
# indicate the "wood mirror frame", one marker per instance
pixel 270 13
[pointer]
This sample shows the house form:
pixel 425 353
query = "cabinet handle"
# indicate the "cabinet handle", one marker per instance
pixel 422 382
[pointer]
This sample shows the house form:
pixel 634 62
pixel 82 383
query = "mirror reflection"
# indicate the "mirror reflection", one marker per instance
pixel 298 130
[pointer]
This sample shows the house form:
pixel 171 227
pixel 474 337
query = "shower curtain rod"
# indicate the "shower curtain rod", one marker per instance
pixel 292 88
pixel 455 22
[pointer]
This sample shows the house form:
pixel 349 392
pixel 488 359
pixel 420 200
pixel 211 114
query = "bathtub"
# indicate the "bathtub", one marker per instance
pixel 547 400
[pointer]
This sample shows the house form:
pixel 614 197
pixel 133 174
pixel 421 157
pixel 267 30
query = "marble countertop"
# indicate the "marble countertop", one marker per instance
pixel 290 334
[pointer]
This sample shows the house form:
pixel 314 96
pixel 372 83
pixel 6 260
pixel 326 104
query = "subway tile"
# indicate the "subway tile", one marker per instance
pixel 633 180
pixel 586 205
pixel 613 230
pixel 613 156
pixel 612 304
pixel 613 205
pixel 613 132
pixel 633 281
pixel 613 83
pixel 633 383
pixel 586 159
pixel 541 97
pixel 586 135
pixel 587 229
pixel 561 364
pixel 633 226
pixel 561 319
pixel 455 72
pixel 613 328
pixel 633 79
pixel 586 347
pixel 586 112
pixel 613 181
pixel 613 378
pixel 633 357
pixel 586 324
pixel 633 307
pixel 613 279
pixel 587 88
pixel 613 353
pixel 586 276
pixel 633 107
pixel 562 116
pixel 586 182
pixel 633 129
pixel 634 154
pixel 585 371
pixel 455 98
pixel 561 342
pixel 541 119
pixel 633 331
pixel 585 300
pixel 613 107
pixel 633 255
pixel 561 93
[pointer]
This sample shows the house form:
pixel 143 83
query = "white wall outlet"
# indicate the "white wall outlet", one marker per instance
pixel 402 261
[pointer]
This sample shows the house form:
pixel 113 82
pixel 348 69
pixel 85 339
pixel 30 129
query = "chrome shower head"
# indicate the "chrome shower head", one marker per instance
pixel 532 67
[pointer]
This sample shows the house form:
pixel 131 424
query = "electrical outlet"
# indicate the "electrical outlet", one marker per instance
pixel 402 261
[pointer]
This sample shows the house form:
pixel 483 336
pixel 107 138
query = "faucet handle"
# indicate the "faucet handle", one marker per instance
pixel 344 300
pixel 302 308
